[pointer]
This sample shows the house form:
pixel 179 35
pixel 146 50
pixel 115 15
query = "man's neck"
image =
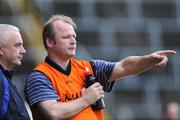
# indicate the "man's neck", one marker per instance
pixel 63 63
pixel 5 65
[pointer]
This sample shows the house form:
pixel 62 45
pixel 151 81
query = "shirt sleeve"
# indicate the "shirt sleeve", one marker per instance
pixel 39 88
pixel 1 92
pixel 102 70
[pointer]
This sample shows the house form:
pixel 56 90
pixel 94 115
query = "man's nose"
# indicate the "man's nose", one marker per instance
pixel 23 50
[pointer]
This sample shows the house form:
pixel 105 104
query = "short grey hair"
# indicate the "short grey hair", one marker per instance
pixel 4 32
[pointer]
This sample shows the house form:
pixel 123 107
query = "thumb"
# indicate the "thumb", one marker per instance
pixel 82 91
pixel 157 58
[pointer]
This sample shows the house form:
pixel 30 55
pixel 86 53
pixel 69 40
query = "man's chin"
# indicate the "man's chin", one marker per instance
pixel 18 63
pixel 72 54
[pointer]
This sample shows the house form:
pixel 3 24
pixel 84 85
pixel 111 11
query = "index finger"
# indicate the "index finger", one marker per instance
pixel 166 52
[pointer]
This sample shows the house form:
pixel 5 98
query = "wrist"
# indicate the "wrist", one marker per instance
pixel 86 101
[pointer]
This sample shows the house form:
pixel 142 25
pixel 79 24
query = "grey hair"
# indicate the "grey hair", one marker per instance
pixel 4 32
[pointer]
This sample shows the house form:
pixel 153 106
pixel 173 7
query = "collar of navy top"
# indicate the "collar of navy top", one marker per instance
pixel 57 67
pixel 7 73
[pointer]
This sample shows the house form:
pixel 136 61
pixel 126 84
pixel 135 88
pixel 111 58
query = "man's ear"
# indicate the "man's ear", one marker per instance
pixel 49 42
pixel 1 50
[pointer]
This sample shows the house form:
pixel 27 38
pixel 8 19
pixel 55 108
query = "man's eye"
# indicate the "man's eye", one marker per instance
pixel 18 44
pixel 66 37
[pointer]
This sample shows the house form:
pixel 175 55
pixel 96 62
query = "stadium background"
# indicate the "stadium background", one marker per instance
pixel 110 30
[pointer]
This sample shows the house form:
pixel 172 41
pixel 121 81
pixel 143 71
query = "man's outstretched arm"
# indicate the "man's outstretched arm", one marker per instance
pixel 137 64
